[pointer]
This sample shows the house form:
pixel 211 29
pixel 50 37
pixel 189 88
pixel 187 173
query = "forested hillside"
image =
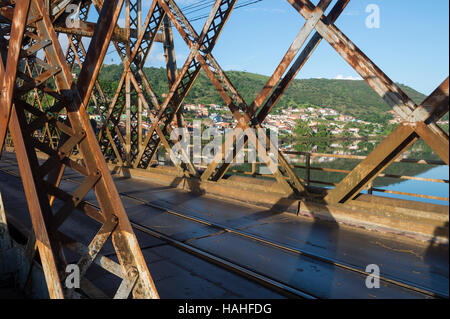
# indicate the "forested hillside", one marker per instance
pixel 354 98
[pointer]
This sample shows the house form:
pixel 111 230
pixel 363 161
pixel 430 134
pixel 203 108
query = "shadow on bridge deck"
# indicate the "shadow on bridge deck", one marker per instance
pixel 265 240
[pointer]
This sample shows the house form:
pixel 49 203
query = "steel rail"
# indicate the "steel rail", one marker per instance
pixel 264 280
pixel 242 270
pixel 273 284
pixel 288 248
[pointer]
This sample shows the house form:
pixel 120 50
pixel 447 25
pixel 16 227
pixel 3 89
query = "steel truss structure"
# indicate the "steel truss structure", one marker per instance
pixel 29 27
pixel 33 61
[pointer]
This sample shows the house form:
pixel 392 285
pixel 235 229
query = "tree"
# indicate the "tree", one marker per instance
pixel 322 130
pixel 302 129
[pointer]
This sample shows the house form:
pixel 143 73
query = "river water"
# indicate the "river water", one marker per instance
pixel 425 188
pixel 418 151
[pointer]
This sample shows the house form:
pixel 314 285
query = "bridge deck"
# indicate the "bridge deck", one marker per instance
pixel 319 258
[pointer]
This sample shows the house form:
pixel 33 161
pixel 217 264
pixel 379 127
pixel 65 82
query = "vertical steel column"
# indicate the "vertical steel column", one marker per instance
pixel 171 63
pixel 139 101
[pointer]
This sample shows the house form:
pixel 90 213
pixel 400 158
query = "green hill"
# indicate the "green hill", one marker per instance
pixel 353 98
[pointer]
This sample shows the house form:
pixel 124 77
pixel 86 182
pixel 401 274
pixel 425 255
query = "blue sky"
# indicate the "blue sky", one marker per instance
pixel 411 46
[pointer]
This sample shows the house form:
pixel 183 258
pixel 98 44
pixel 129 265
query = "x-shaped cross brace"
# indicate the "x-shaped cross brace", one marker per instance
pixel 39 191
pixel 223 84
pixel 128 76
pixel 391 93
pixel 420 124
pixel 76 48
pixel 165 114
pixel 8 76
pixel 136 55
pixel 257 120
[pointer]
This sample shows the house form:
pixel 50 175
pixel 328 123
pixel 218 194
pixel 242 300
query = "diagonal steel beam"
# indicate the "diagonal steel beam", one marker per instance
pixel 136 57
pixel 38 190
pixel 190 69
pixel 80 60
pixel 297 65
pixel 223 85
pixel 8 79
pixel 396 143
pixel 373 75
pixel 436 138
pixel 275 78
pixel 39 209
pixel 97 49
pixel 378 80
pixel 124 239
pixel 426 116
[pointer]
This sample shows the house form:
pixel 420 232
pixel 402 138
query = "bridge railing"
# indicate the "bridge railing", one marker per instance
pixel 309 168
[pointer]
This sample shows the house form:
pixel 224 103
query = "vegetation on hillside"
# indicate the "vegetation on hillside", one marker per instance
pixel 348 97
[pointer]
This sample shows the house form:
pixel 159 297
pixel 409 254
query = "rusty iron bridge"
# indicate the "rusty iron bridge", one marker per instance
pixel 136 227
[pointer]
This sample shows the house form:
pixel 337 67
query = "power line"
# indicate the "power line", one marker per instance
pixel 247 4
pixel 250 2
pixel 195 4
pixel 200 6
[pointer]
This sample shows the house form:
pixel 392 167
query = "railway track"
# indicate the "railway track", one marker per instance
pixel 271 283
